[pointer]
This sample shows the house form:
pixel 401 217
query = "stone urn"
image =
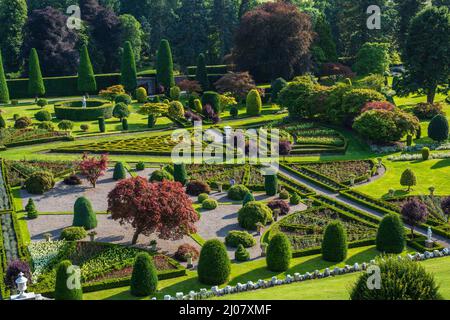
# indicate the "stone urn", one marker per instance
pixel 48 237
pixel 263 249
pixel 220 187
pixel 92 235
pixel 276 214
pixel 352 180
pixel 190 263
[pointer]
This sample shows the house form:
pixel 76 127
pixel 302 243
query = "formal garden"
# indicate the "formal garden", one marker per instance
pixel 90 185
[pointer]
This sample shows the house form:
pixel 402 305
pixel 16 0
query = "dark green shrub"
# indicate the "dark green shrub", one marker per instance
pixel 354 100
pixel 62 290
pixel 391 235
pixel 210 204
pixel 196 187
pixel 43 115
pixel 42 102
pixel 241 254
pixel 409 140
pixel 214 266
pixel 121 111
pixel 65 125
pixel 238 192
pixel 213 99
pixel 254 103
pixel 22 122
pixel 84 216
pixel 372 58
pixel 86 78
pixel 40 182
pixel 334 245
pixel 4 91
pixel 234 112
pixel 427 111
pixel 2 122
pixel 408 179
pixel 271 185
pixel 236 238
pixel 201 73
pixel 294 199
pixel 284 194
pixel 248 198
pixel 179 173
pixel 176 110
pixel 36 85
pixel 279 253
pixel 151 121
pixel 160 175
pixel 425 154
pixel 46 125
pixel 276 87
pixel 175 93
pixel 164 66
pixel 101 125
pixel 252 213
pixel 73 234
pixel 438 129
pixel 122 98
pixel 128 73
pixel 400 280
pixel 125 124
pixel 119 171
pixel 144 279
pixel 202 197
pixel 31 209
pixel 140 166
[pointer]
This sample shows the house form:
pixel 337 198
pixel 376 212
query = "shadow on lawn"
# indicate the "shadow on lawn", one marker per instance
pixel 441 164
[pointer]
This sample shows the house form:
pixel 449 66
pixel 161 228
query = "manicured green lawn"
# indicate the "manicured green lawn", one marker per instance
pixel 242 272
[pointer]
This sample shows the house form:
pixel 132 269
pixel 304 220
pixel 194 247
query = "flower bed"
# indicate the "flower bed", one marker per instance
pixel 18 171
pixel 11 137
pixel 101 264
pixel 5 194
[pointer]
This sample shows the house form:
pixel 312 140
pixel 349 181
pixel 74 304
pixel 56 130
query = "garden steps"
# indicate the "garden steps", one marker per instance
pixel 336 196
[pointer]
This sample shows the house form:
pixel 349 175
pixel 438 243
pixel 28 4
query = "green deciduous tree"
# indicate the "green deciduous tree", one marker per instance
pixel 372 58
pixel 131 30
pixel 408 179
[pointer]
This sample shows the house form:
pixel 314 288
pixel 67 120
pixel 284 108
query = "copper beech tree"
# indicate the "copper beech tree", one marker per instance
pixel 162 208
pixel 92 168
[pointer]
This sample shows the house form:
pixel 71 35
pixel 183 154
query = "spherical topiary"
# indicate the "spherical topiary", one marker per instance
pixel 214 265
pixel 280 205
pixel 62 290
pixel 202 197
pixel 119 171
pixel 213 99
pixel 179 173
pixel 160 175
pixel 252 213
pixel 42 102
pixel 400 280
pixel 271 185
pixel 84 216
pixel 176 110
pixel 46 125
pixel 408 179
pixel 248 198
pixel 294 199
pixel 284 195
pixel 73 234
pixel 140 166
pixel 236 238
pixel 438 128
pixel 210 204
pixel 65 125
pixel 279 253
pixel 196 187
pixel 40 182
pixel 254 103
pixel 141 95
pixel 391 235
pixel 241 254
pixel 238 192
pixel 425 154
pixel 144 279
pixel 121 110
pixel 43 115
pixel 334 245
pixel 122 98
pixel 22 122
pixel 175 93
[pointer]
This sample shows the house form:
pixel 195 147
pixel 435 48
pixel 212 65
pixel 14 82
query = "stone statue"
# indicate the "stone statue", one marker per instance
pixel 430 234
pixel 84 102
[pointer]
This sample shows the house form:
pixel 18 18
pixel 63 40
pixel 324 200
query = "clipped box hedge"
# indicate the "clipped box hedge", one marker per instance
pixel 212 69
pixel 60 86
pixel 72 110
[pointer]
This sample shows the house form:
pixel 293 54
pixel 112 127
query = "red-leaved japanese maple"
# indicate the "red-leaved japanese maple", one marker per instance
pixel 162 208
pixel 92 168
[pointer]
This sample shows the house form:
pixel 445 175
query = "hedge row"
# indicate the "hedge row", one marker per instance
pixel 7 187
pixel 72 110
pixel 60 86
pixel 295 187
pixel 212 69
pixel 39 141
pixel 3 265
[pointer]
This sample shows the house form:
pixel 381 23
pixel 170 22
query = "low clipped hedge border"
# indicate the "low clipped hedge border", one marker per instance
pixel 7 187
pixel 294 186
pixel 39 141
pixel 72 110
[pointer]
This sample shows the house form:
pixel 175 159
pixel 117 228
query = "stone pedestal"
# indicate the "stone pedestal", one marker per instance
pixel 27 297
pixel 429 244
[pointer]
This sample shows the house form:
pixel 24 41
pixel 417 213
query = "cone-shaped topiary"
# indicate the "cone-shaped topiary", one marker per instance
pixel 279 253
pixel 254 103
pixel 86 77
pixel 438 129
pixel 334 245
pixel 179 173
pixel 164 66
pixel 2 122
pixel 408 179
pixel 213 99
pixel 400 280
pixel 66 289
pixel 214 265
pixel 128 73
pixel 391 235
pixel 248 198
pixel 202 73
pixel 84 216
pixel 294 199
pixel 241 254
pixel 36 85
pixel 271 185
pixel 4 92
pixel 119 171
pixel 144 279
pixel 31 209
pixel 101 125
